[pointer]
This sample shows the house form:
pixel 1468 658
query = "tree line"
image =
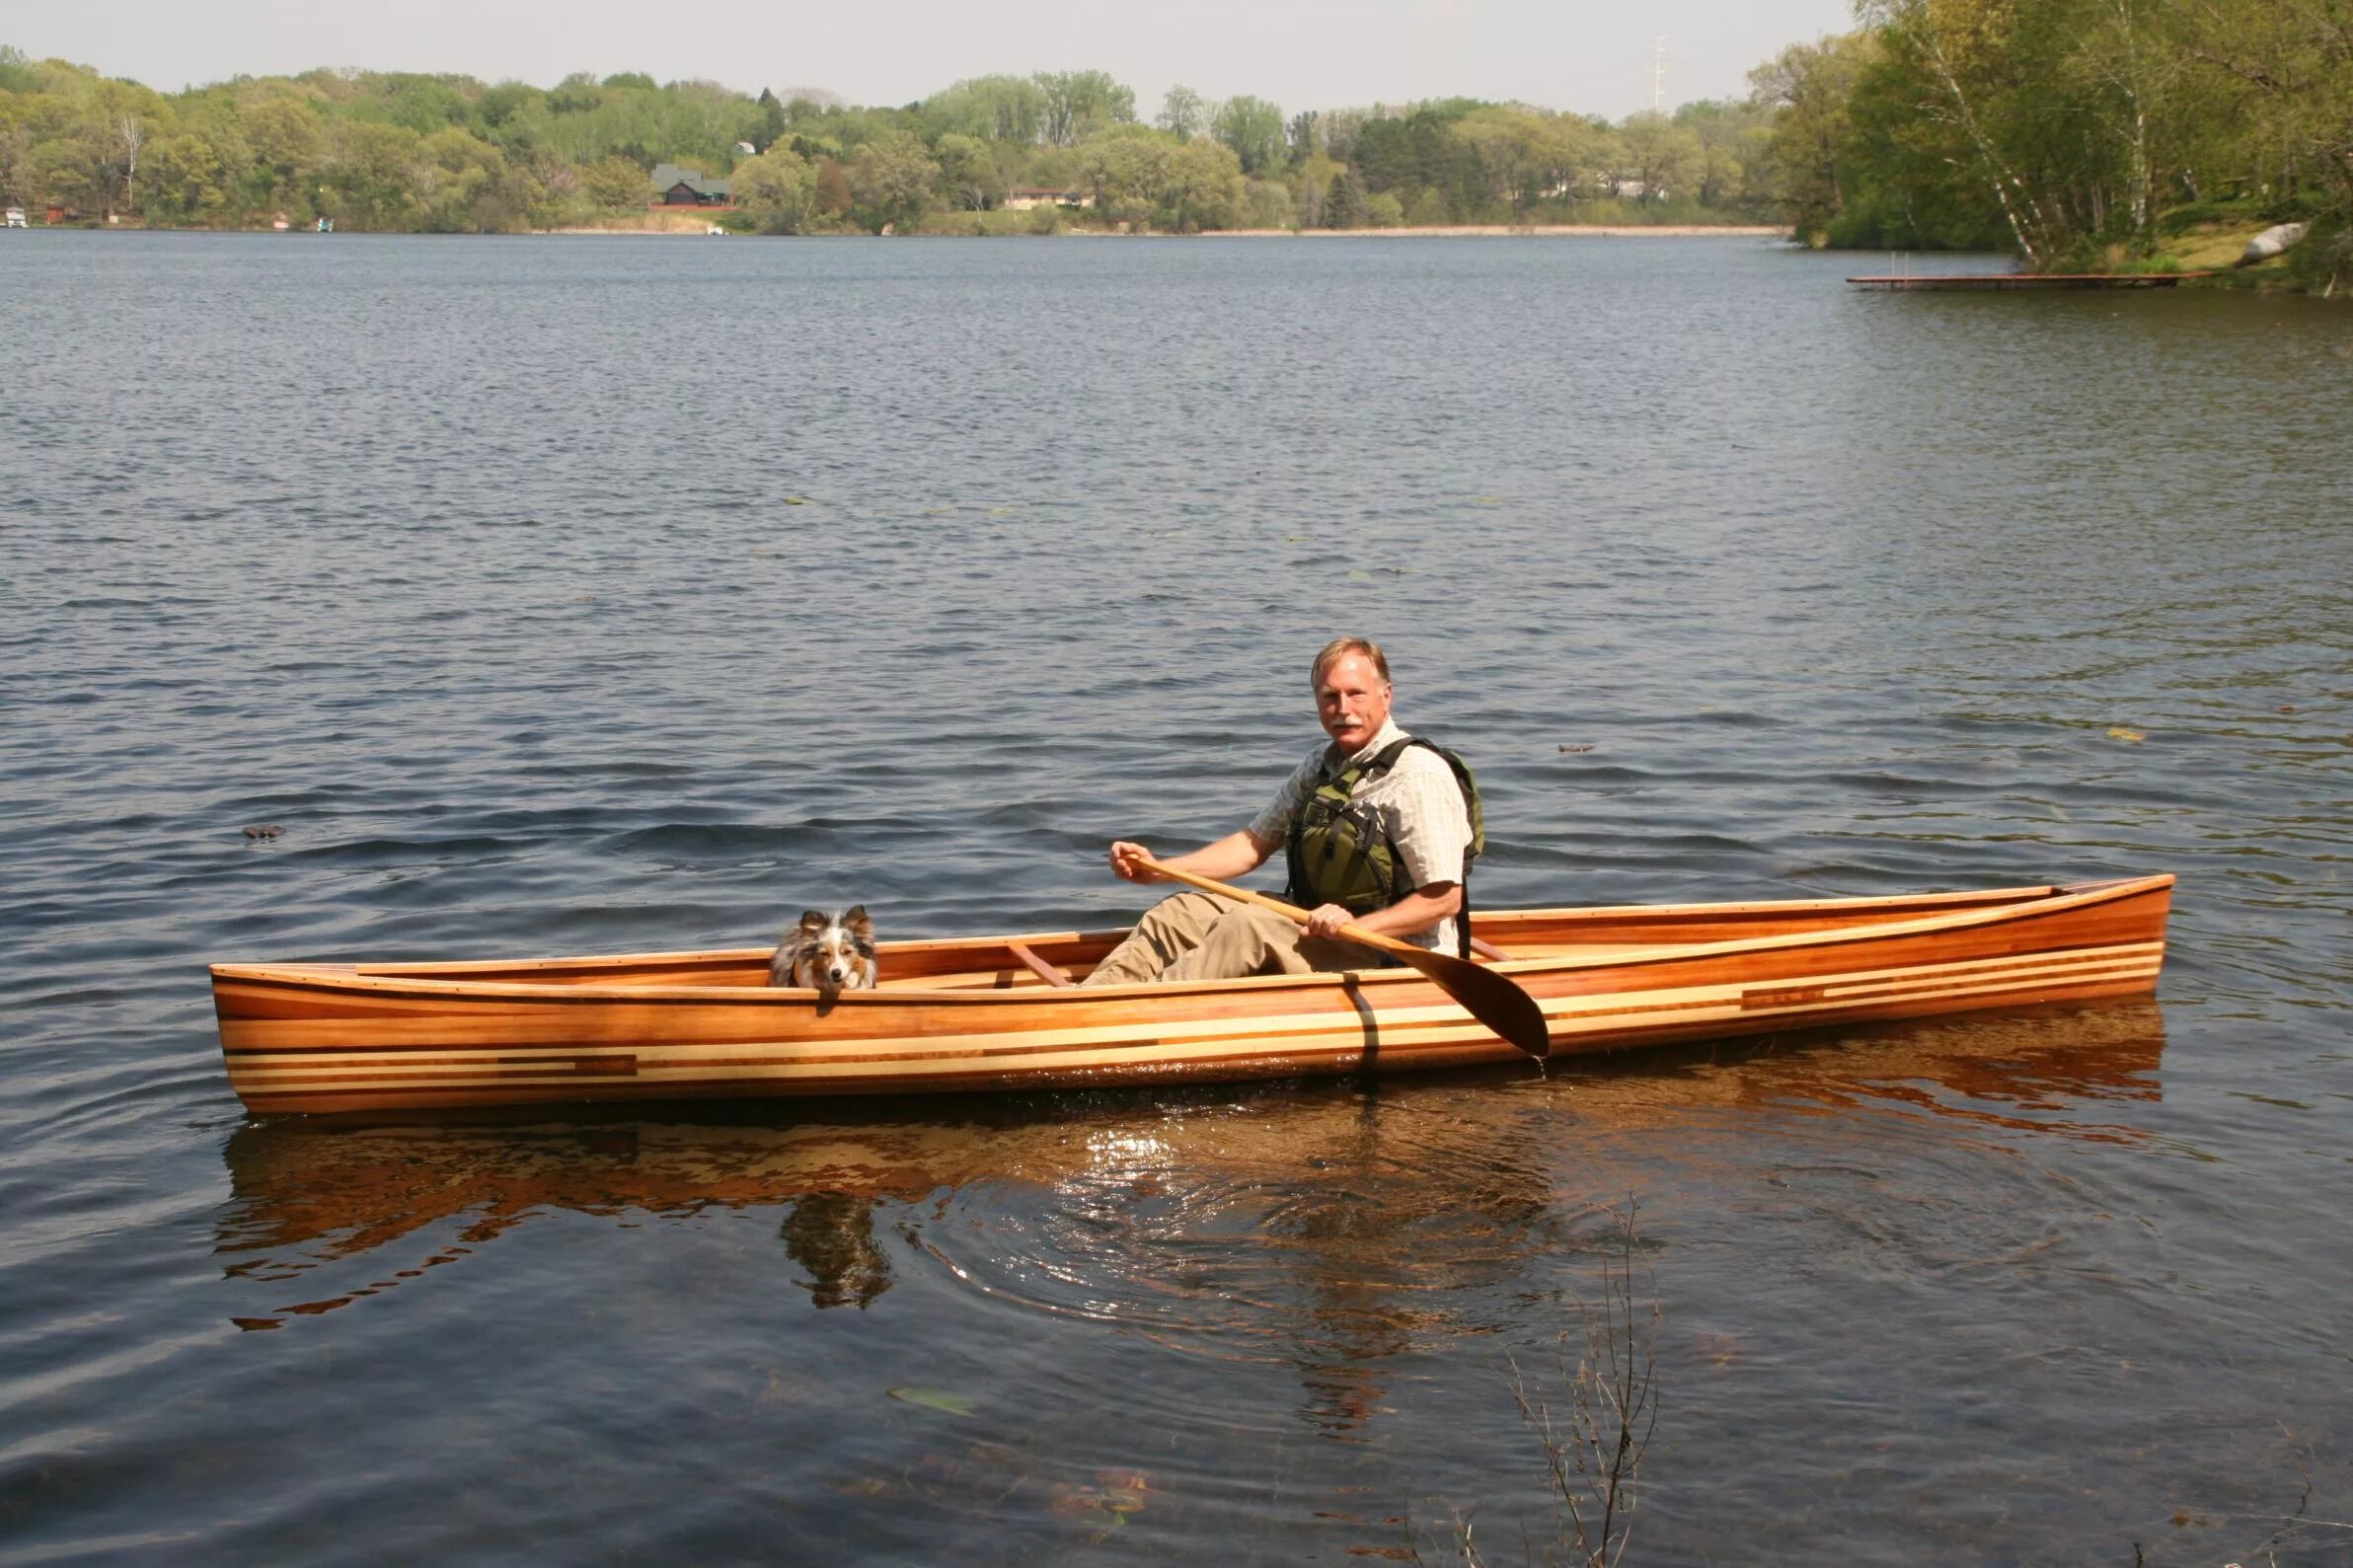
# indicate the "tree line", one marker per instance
pixel 2072 132
pixel 2069 132
pixel 443 153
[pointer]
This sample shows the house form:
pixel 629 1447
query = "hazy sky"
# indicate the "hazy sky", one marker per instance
pixel 1582 54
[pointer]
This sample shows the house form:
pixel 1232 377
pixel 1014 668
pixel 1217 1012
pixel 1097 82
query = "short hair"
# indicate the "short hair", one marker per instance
pixel 1340 649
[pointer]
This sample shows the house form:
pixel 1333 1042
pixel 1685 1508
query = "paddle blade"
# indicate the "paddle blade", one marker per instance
pixel 1495 1000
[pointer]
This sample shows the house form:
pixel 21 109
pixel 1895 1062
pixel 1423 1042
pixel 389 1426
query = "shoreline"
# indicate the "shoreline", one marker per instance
pixel 1458 231
pixel 1539 231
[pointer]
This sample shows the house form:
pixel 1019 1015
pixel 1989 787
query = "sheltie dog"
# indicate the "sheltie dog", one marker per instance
pixel 830 954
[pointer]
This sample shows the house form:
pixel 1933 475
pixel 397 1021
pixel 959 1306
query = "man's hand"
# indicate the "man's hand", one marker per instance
pixel 1326 920
pixel 1127 863
pixel 1235 854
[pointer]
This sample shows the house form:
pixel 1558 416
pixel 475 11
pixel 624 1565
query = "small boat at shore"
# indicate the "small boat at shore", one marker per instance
pixel 1001 1012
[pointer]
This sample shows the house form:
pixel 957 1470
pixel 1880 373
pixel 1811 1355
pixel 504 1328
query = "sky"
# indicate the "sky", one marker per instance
pixel 1580 54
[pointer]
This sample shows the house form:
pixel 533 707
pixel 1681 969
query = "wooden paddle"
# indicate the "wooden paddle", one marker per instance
pixel 1495 1000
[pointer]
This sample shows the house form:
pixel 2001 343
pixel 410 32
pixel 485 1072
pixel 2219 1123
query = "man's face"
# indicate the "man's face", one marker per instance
pixel 1352 701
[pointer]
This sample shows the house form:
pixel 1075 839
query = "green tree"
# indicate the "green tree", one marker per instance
pixel 504 110
pixel 1949 64
pixel 424 103
pixel 833 197
pixel 990 109
pixel 1268 205
pixel 1522 154
pixel 284 136
pixel 1183 113
pixel 367 174
pixel 16 148
pixel 1201 188
pixel 70 170
pixel 1421 148
pixel 891 178
pixel 772 125
pixel 1729 170
pixel 1304 134
pixel 1253 129
pixel 1124 169
pixel 1311 185
pixel 462 184
pixel 616 185
pixel 968 173
pixel 778 189
pixel 188 179
pixel 1344 202
pixel 1081 103
pixel 1809 88
pixel 1656 156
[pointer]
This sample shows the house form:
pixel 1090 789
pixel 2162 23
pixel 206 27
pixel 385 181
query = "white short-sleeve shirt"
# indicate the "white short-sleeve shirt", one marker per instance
pixel 1418 802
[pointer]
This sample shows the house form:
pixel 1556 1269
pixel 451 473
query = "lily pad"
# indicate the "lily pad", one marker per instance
pixel 939 1399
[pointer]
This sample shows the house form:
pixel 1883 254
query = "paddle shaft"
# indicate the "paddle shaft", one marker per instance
pixel 1495 1000
pixel 1352 931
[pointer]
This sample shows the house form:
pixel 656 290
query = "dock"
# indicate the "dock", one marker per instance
pixel 1916 282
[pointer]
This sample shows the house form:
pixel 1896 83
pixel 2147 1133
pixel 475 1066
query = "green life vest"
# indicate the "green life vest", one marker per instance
pixel 1339 852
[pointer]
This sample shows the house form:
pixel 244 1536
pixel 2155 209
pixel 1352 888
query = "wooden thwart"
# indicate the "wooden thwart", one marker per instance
pixel 1037 965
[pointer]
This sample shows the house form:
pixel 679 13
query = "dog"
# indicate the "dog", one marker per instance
pixel 828 953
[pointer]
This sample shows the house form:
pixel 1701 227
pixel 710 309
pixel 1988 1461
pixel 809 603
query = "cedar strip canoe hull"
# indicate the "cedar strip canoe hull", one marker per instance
pixel 968 1015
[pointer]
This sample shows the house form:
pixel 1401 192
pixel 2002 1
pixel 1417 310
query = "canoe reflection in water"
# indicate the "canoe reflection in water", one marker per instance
pixel 1333 1222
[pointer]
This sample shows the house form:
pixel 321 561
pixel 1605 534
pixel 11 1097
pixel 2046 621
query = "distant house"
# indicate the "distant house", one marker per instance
pixel 1021 198
pixel 675 187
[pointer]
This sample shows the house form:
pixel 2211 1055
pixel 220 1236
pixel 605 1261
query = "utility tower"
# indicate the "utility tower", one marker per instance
pixel 1658 73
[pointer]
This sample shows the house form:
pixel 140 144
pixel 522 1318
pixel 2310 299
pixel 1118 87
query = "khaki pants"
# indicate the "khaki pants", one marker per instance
pixel 1206 937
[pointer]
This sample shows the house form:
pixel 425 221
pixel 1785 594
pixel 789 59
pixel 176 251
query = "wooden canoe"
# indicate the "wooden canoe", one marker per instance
pixel 997 1013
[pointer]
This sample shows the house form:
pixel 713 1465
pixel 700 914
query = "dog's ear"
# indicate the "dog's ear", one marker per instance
pixel 811 922
pixel 857 920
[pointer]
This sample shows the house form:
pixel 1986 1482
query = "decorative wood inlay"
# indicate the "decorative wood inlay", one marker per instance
pixel 1785 997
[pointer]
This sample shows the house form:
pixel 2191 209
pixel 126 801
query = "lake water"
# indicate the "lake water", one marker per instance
pixel 564 596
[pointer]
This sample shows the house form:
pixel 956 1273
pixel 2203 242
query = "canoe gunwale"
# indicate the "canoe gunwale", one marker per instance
pixel 2006 905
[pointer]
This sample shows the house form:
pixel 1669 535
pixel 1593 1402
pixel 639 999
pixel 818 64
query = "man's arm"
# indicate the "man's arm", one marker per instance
pixel 1235 854
pixel 1417 910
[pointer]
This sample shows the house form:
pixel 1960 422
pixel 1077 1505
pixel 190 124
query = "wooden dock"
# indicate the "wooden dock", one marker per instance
pixel 1913 283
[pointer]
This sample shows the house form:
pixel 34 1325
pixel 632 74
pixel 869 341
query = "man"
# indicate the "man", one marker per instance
pixel 1376 828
